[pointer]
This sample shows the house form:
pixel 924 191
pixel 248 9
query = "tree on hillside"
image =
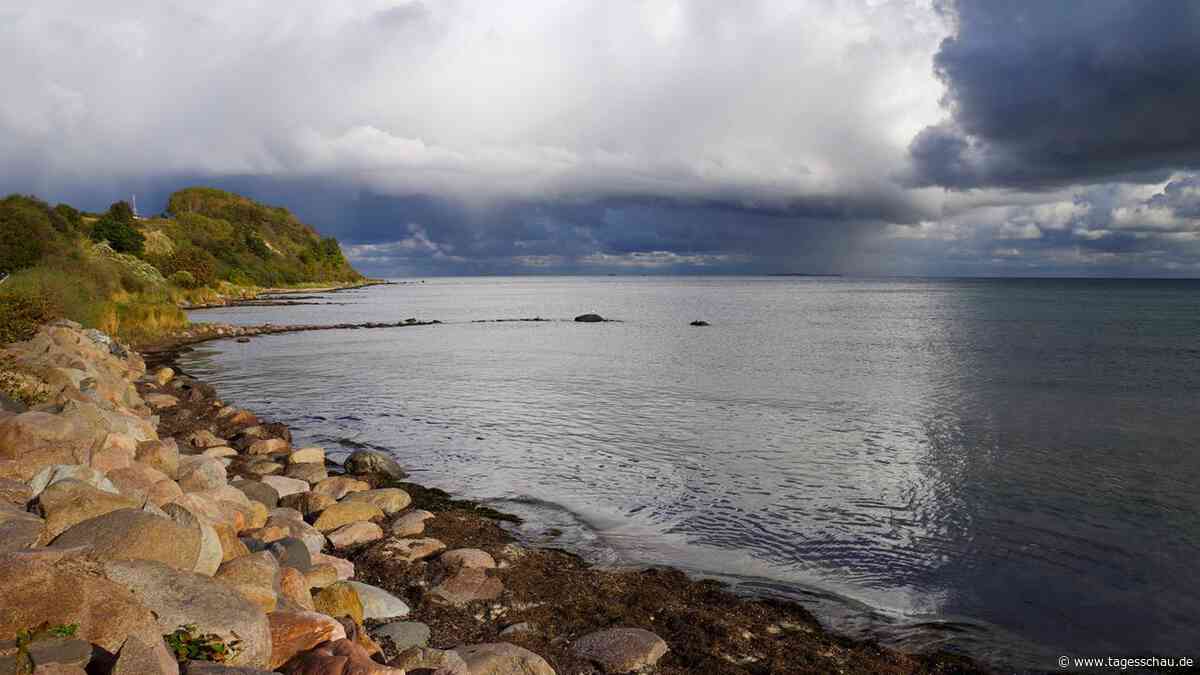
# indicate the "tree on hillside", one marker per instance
pixel 27 232
pixel 120 234
pixel 121 211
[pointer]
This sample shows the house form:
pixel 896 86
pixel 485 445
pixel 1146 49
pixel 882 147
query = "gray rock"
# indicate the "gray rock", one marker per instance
pixel 258 491
pixel 377 603
pixel 179 598
pixel 372 461
pixel 59 472
pixel 405 634
pixel 309 472
pixel 61 651
pixel 291 552
pixel 145 657
pixel 589 318
pixel 621 650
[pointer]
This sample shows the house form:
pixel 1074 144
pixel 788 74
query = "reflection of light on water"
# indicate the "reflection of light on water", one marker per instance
pixel 898 443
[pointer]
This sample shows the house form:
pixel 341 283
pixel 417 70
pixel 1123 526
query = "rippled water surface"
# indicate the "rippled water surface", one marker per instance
pixel 1010 468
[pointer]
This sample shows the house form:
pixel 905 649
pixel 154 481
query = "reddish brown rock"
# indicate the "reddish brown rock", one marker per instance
pixel 64 587
pixel 293 586
pixel 295 632
pixel 341 657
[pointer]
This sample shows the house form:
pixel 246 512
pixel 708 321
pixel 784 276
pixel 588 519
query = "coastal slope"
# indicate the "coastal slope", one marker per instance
pixel 129 276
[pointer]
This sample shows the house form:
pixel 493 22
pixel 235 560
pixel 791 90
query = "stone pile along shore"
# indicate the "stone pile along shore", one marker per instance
pixel 148 527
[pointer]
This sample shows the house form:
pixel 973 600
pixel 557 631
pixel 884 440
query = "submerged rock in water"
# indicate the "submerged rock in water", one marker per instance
pixel 589 318
pixel 699 322
pixel 371 461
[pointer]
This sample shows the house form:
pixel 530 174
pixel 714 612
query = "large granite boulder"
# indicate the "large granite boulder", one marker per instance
pixel 180 598
pixel 255 576
pixel 70 502
pixel 15 492
pixel 18 528
pixel 58 586
pixel 144 482
pixel 49 475
pixel 160 454
pixel 198 473
pixel 34 440
pixel 133 534
pixel 211 551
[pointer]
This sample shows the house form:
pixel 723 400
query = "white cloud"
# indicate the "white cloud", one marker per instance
pixel 763 101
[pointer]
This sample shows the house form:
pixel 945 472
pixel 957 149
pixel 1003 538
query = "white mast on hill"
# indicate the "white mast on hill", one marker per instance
pixel 134 207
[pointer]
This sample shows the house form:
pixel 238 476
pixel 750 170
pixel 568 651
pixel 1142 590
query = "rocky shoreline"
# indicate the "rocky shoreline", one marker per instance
pixel 148 527
pixel 269 297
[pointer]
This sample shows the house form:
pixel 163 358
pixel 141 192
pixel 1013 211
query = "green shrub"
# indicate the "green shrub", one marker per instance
pixel 187 643
pixel 70 216
pixel 197 262
pixel 183 279
pixel 21 315
pixel 123 237
pixel 27 232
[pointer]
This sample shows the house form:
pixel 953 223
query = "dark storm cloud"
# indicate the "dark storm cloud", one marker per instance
pixel 1052 93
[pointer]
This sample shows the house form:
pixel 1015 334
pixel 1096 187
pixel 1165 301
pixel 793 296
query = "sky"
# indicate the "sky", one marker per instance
pixel 863 137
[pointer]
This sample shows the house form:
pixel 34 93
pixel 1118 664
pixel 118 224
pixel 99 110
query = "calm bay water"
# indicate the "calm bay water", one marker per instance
pixel 1005 467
